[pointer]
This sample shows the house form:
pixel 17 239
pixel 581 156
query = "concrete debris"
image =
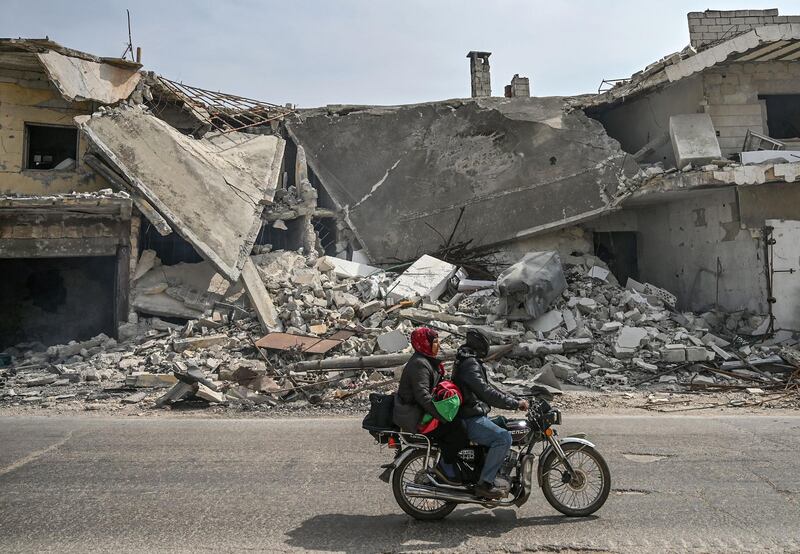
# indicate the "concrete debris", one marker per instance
pixel 426 278
pixel 587 332
pixel 694 140
pixel 210 195
pixel 86 80
pixel 464 151
pixel 393 341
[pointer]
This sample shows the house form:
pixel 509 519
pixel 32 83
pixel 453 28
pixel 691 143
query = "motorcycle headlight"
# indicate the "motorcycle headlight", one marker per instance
pixel 553 417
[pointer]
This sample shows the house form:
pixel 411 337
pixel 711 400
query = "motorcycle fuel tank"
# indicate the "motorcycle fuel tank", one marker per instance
pixel 519 430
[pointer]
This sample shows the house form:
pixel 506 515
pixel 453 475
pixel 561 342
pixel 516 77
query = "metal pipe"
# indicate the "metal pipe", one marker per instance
pixel 414 490
pixel 381 360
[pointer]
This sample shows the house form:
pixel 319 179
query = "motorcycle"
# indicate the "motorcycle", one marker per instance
pixel 572 474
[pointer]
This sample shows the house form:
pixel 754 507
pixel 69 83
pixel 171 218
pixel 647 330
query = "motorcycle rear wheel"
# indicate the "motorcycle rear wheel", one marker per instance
pixel 413 470
pixel 584 494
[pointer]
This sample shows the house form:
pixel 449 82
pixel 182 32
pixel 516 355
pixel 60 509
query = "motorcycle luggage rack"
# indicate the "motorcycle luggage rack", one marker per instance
pixel 411 439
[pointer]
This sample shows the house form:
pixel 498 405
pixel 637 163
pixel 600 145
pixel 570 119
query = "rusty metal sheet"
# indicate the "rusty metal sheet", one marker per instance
pixel 305 344
pixel 323 346
pixel 342 335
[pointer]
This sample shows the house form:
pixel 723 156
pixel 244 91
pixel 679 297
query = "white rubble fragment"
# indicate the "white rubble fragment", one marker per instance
pixel 631 337
pixel 346 268
pixel 393 341
pixel 599 273
pixel 547 322
pixel 427 278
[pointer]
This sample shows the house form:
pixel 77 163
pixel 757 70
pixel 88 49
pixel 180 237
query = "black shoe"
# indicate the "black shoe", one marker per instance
pixel 502 484
pixel 488 490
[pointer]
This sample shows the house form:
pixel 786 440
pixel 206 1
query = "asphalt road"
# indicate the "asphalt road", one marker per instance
pixel 700 484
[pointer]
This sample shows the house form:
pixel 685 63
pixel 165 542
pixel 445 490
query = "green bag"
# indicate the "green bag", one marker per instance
pixel 447 408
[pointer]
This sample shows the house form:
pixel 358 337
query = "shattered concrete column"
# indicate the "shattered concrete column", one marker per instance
pixel 136 224
pixel 308 195
pixel 479 73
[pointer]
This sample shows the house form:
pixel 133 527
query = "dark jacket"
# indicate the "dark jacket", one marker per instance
pixel 479 396
pixel 413 399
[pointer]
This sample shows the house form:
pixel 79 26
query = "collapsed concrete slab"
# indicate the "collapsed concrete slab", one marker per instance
pixel 427 278
pixel 492 169
pixel 210 193
pixel 107 81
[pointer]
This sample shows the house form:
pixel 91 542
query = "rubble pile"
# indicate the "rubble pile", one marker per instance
pixel 342 330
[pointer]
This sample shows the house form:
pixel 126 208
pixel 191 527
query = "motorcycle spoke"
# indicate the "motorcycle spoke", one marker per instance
pixel 414 474
pixel 591 487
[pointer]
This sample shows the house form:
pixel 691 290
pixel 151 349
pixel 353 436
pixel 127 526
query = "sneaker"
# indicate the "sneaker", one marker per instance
pixel 488 490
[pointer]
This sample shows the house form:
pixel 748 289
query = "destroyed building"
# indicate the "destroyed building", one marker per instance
pixel 682 175
pixel 716 128
pixel 193 222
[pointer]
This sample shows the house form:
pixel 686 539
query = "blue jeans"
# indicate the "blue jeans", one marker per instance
pixel 481 430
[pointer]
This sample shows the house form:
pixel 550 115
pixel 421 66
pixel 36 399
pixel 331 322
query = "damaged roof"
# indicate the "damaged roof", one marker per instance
pixel 779 42
pixel 486 171
pixel 77 76
pixel 211 191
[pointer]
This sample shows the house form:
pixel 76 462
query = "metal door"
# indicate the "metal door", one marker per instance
pixel 786 273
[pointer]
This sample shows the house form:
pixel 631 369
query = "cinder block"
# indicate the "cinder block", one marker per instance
pixel 694 140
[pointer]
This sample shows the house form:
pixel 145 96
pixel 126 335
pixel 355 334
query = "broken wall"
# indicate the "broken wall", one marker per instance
pixel 635 123
pixel 564 241
pixel 515 167
pixel 732 91
pixel 728 93
pixel 35 100
pixel 680 243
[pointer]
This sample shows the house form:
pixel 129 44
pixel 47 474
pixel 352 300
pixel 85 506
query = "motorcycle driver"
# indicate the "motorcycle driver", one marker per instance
pixel 479 396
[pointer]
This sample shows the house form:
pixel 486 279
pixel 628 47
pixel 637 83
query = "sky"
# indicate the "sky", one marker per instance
pixel 318 52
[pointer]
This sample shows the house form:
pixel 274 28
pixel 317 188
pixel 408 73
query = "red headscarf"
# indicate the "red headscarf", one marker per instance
pixel 422 342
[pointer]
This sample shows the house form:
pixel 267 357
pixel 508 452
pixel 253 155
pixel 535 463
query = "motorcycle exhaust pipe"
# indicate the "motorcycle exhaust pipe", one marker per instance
pixel 413 490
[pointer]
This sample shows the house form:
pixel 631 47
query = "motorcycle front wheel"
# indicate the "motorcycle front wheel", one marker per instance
pixel 413 470
pixel 583 493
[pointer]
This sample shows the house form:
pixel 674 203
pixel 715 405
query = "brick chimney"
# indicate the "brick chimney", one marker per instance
pixel 520 87
pixel 479 73
pixel 712 25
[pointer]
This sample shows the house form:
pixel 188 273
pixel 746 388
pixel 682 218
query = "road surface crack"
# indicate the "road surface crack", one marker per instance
pixel 36 454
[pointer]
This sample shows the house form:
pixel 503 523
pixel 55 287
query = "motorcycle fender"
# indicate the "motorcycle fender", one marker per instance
pixel 549 449
pixel 391 466
pixel 526 467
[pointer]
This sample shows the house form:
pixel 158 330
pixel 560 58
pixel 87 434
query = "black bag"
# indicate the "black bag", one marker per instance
pixel 379 417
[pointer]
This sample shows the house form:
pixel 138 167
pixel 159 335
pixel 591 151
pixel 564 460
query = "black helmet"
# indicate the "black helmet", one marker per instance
pixel 478 342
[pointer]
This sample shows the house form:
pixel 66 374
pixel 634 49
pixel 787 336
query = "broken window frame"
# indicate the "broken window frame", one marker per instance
pixel 27 144
pixel 770 129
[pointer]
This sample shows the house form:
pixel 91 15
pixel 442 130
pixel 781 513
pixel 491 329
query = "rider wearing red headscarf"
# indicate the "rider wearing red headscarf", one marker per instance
pixel 414 399
pixel 420 374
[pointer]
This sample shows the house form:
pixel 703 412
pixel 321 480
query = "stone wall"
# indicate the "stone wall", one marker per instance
pixel 731 94
pixel 712 26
